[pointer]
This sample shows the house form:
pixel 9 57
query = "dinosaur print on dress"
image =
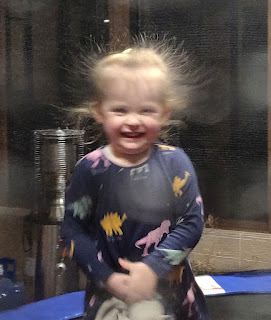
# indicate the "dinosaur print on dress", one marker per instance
pixel 100 256
pixel 189 300
pixel 179 183
pixel 153 237
pixel 112 223
pixel 82 207
pixel 176 275
pixel 200 203
pixel 140 172
pixel 175 257
pixel 165 147
pixel 97 156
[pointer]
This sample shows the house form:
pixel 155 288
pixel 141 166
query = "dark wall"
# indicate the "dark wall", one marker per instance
pixel 226 120
pixel 42 37
pixel 226 135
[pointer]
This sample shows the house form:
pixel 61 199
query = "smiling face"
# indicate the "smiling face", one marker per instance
pixel 132 113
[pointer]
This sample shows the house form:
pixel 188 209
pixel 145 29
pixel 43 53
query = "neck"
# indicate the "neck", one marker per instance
pixel 128 160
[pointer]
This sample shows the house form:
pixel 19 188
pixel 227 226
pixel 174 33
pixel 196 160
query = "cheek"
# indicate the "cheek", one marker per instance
pixel 153 126
pixel 111 126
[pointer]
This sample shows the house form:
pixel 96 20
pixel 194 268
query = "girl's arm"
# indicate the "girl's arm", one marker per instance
pixel 189 213
pixel 79 202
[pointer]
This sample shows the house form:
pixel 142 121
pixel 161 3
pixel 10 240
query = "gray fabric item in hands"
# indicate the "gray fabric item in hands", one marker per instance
pixel 115 309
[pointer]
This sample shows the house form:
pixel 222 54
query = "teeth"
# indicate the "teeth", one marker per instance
pixel 132 135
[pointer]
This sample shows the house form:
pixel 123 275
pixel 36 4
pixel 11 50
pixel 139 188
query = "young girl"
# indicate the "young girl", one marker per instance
pixel 133 208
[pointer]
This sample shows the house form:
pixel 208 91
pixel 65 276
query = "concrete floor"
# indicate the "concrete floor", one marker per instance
pixel 239 307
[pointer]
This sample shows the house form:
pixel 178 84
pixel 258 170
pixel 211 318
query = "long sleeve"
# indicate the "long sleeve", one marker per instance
pixel 79 211
pixel 189 218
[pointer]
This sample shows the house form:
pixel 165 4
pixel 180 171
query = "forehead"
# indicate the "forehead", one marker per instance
pixel 147 84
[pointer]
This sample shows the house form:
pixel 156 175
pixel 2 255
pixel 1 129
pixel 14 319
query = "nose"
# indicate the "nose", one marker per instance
pixel 132 120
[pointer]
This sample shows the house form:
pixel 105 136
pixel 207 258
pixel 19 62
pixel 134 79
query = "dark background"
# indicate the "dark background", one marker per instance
pixel 225 131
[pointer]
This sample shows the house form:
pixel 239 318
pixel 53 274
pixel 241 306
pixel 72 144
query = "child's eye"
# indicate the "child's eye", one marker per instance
pixel 119 110
pixel 147 110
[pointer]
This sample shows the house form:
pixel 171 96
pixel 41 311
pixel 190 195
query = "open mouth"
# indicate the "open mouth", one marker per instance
pixel 132 135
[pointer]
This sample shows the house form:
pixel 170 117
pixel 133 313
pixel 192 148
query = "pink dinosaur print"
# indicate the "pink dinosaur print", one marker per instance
pixel 96 156
pixel 190 298
pixel 200 203
pixel 92 301
pixel 153 236
pixel 100 256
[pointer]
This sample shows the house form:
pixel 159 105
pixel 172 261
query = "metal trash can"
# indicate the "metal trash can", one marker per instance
pixel 56 153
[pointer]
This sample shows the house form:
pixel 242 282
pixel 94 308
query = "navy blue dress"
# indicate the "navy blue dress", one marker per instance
pixel 152 212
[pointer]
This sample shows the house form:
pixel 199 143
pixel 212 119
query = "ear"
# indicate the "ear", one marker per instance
pixel 97 113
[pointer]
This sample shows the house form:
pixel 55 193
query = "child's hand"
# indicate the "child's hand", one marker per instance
pixel 117 285
pixel 142 281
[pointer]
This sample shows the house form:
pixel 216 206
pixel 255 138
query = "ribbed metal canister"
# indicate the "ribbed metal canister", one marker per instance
pixel 56 153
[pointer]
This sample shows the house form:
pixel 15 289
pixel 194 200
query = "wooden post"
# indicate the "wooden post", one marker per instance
pixel 269 116
pixel 119 25
pixel 3 112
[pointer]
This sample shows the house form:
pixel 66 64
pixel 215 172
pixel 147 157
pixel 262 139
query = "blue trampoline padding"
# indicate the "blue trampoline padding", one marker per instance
pixel 244 282
pixel 64 307
pixel 70 306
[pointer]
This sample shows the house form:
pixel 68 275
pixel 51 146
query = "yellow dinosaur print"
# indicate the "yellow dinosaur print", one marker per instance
pixel 112 222
pixel 178 183
pixel 176 275
pixel 163 147
pixel 71 249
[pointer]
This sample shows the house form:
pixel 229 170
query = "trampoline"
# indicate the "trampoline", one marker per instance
pixel 247 295
pixel 244 295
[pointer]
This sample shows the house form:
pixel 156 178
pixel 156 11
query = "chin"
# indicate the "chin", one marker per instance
pixel 132 151
pixel 135 151
pixel 134 148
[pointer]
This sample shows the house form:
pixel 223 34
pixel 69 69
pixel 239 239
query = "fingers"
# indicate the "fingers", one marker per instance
pixel 125 264
pixel 117 283
pixel 138 285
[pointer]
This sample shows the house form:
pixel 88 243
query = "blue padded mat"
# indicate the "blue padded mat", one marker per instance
pixel 70 306
pixel 64 307
pixel 245 282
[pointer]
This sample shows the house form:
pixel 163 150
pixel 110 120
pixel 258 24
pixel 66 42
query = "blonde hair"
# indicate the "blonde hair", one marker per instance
pixel 146 53
pixel 132 65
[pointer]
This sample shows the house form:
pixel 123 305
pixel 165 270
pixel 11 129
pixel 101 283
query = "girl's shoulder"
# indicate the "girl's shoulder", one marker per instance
pixel 94 160
pixel 171 151
pixel 173 156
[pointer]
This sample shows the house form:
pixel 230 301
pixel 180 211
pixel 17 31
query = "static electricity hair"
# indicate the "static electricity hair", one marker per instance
pixel 145 53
